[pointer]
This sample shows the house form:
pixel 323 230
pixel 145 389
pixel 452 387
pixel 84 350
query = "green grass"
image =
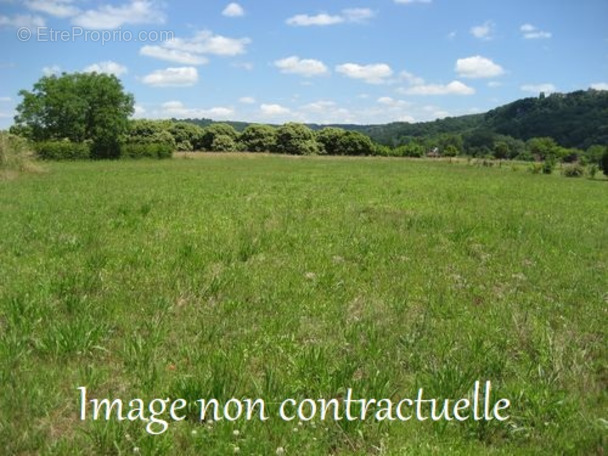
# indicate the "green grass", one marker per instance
pixel 278 277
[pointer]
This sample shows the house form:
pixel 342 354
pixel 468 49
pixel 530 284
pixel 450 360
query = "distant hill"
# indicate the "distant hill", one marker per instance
pixel 577 119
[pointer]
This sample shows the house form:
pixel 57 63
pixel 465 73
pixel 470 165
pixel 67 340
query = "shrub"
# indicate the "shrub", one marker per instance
pixel 604 162
pixel 184 146
pixel 593 169
pixel 63 150
pixel 574 170
pixel 548 165
pixel 223 143
pixel 136 151
pixel 15 154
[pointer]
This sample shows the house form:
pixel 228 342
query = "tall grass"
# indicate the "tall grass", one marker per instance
pixel 280 277
pixel 16 156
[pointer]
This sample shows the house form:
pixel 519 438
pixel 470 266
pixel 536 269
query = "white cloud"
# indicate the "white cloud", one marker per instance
pixel 537 88
pixel 484 31
pixel 172 77
pixel 494 84
pixel 273 110
pixel 57 8
pixel 304 20
pixel 5 99
pixel 530 32
pixel 357 14
pixel 173 55
pixel 233 10
pixel 112 17
pixel 600 86
pixel 477 67
pixel 178 110
pixel 352 15
pixel 411 78
pixel 453 88
pixel 205 42
pixel 391 102
pixel 108 67
pixel 372 74
pixel 139 111
pixel 303 67
pixel 22 20
pixel 247 100
pixel 319 106
pixel 192 51
pixel 51 70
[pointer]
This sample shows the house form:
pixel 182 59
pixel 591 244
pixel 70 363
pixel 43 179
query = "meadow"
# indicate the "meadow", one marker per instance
pixel 255 276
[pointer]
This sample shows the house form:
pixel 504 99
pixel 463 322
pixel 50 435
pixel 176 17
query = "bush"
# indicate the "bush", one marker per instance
pixel 184 146
pixel 593 169
pixel 604 162
pixel 573 171
pixel 548 165
pixel 15 153
pixel 63 150
pixel 158 150
pixel 223 143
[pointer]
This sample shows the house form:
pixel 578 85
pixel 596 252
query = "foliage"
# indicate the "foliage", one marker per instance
pixel 296 139
pixel 573 170
pixel 258 138
pixel 146 150
pixel 329 140
pixel 187 136
pixel 63 150
pixel 143 131
pixel 78 107
pixel 223 143
pixel 213 130
pixel 604 162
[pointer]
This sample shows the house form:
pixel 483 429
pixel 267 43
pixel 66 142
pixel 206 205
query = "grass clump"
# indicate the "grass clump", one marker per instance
pixel 15 156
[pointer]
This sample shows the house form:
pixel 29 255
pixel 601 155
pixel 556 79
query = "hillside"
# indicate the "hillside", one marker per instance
pixel 577 119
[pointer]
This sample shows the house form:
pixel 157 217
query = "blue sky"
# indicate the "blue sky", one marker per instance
pixel 311 61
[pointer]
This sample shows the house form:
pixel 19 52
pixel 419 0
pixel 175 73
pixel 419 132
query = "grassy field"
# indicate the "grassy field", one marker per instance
pixel 274 277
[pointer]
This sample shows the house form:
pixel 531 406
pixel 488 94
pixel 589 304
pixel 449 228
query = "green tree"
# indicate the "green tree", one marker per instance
pixel 604 162
pixel 223 143
pixel 355 143
pixel 328 140
pixel 296 139
pixel 143 131
pixel 214 130
pixel 259 138
pixel 187 135
pixel 80 107
pixel 543 148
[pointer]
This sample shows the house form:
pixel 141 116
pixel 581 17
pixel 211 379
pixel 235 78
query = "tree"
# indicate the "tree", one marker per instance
pixel 223 143
pixel 355 143
pixel 79 107
pixel 328 140
pixel 142 131
pixel 604 162
pixel 214 130
pixel 259 138
pixel 187 135
pixel 296 139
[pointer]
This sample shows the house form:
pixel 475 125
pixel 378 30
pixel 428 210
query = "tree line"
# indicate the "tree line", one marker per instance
pixel 87 115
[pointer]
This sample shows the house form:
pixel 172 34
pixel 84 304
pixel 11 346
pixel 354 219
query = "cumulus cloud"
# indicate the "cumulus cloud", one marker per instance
pixel 51 70
pixel 172 77
pixel 600 86
pixel 273 110
pixel 107 67
pixel 56 8
pixel 453 88
pixel 484 31
pixel 21 20
pixel 303 67
pixel 192 51
pixel 352 15
pixel 112 17
pixel 173 55
pixel 178 110
pixel 538 88
pixel 530 32
pixel 411 78
pixel 233 10
pixel 247 100
pixel 478 67
pixel 375 73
